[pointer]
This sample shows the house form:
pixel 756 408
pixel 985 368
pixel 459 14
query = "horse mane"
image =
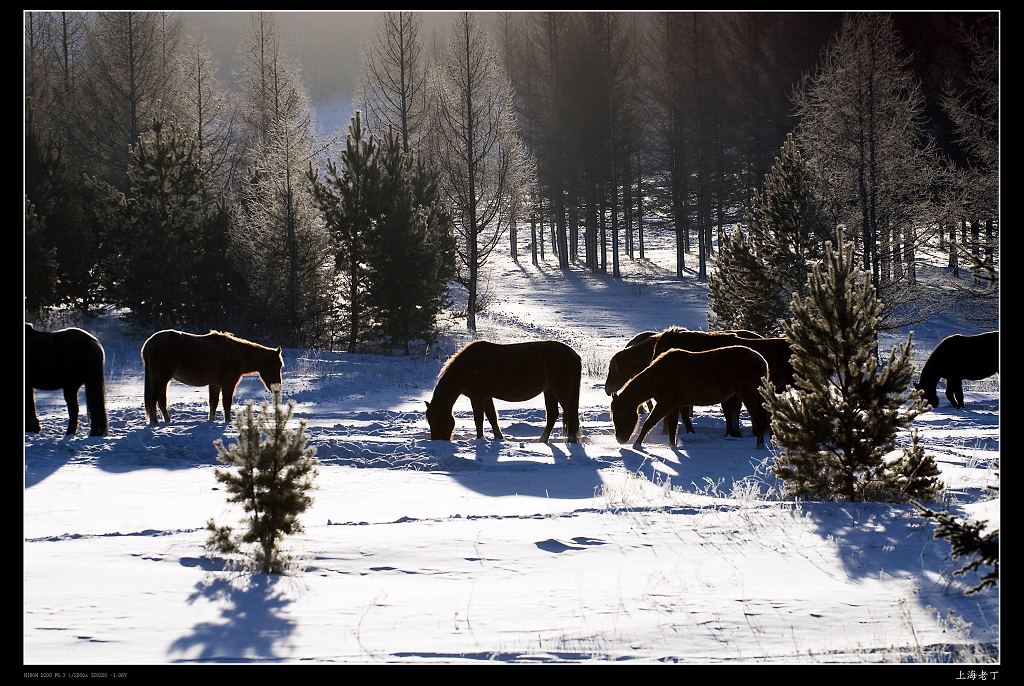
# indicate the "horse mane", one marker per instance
pixel 451 359
pixel 236 339
pixel 676 329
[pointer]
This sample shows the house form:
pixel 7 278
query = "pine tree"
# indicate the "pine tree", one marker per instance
pixel 40 262
pixel 157 227
pixel 270 471
pixel 839 419
pixel 757 274
pixel 741 291
pixel 349 201
pixel 410 259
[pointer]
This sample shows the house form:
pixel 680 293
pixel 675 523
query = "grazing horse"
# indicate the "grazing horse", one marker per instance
pixel 956 358
pixel 215 359
pixel 65 359
pixel 641 337
pixel 515 372
pixel 776 351
pixel 635 357
pixel 678 378
pixel 629 362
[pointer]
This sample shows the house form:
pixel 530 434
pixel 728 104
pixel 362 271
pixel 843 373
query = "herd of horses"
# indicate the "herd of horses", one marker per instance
pixel 669 371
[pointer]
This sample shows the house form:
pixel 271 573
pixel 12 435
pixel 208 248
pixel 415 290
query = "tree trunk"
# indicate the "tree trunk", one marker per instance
pixel 627 204
pixel 639 206
pixel 533 236
pixel 574 232
pixel 953 260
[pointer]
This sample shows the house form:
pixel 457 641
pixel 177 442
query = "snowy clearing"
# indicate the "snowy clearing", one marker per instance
pixel 421 551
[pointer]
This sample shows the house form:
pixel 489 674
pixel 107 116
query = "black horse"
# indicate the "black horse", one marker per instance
pixel 956 358
pixel 65 360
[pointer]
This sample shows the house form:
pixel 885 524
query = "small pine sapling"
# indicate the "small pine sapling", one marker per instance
pixel 270 471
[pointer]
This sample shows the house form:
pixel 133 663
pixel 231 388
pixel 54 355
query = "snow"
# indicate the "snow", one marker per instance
pixel 473 551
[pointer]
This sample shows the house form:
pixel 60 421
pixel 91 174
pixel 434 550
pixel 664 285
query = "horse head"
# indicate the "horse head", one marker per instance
pixel 624 418
pixel 931 396
pixel 270 370
pixel 442 423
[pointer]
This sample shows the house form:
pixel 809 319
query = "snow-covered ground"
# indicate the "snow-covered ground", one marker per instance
pixel 421 551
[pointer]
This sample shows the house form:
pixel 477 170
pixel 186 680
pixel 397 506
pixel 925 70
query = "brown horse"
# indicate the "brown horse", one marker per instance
pixel 678 378
pixel 629 362
pixel 215 359
pixel 515 372
pixel 65 360
pixel 776 351
pixel 956 358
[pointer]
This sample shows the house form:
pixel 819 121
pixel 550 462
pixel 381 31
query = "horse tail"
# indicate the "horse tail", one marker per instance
pixel 149 396
pixel 95 394
pixel 571 414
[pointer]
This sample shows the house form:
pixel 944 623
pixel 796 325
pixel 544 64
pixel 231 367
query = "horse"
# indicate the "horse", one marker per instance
pixel 515 372
pixel 629 362
pixel 216 359
pixel 65 359
pixel 641 337
pixel 776 351
pixel 955 358
pixel 635 357
pixel 679 378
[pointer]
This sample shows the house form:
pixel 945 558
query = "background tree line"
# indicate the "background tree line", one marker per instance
pixel 153 184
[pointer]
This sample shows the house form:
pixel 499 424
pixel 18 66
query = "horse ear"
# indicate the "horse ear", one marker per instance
pixel 427 404
pixel 279 349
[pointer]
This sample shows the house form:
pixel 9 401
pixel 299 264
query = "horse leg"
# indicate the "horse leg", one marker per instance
pixel 31 420
pixel 571 421
pixel 653 418
pixel 731 410
pixel 955 392
pixel 670 425
pixel 492 417
pixel 149 393
pixel 758 415
pixel 228 390
pixel 551 410
pixel 951 385
pixel 71 398
pixel 161 400
pixel 685 412
pixel 478 416
pixel 214 398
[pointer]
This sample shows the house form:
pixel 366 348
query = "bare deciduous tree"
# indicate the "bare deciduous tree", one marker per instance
pixel 393 87
pixel 477 148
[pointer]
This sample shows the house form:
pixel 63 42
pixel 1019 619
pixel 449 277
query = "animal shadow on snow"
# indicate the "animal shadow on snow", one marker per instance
pixel 185 443
pixel 251 628
pixel 496 472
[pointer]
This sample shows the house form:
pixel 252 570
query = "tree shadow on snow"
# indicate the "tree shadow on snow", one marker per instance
pixel 252 627
pixel 888 540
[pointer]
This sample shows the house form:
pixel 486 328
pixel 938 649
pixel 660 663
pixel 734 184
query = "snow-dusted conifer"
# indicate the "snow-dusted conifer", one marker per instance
pixel 839 419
